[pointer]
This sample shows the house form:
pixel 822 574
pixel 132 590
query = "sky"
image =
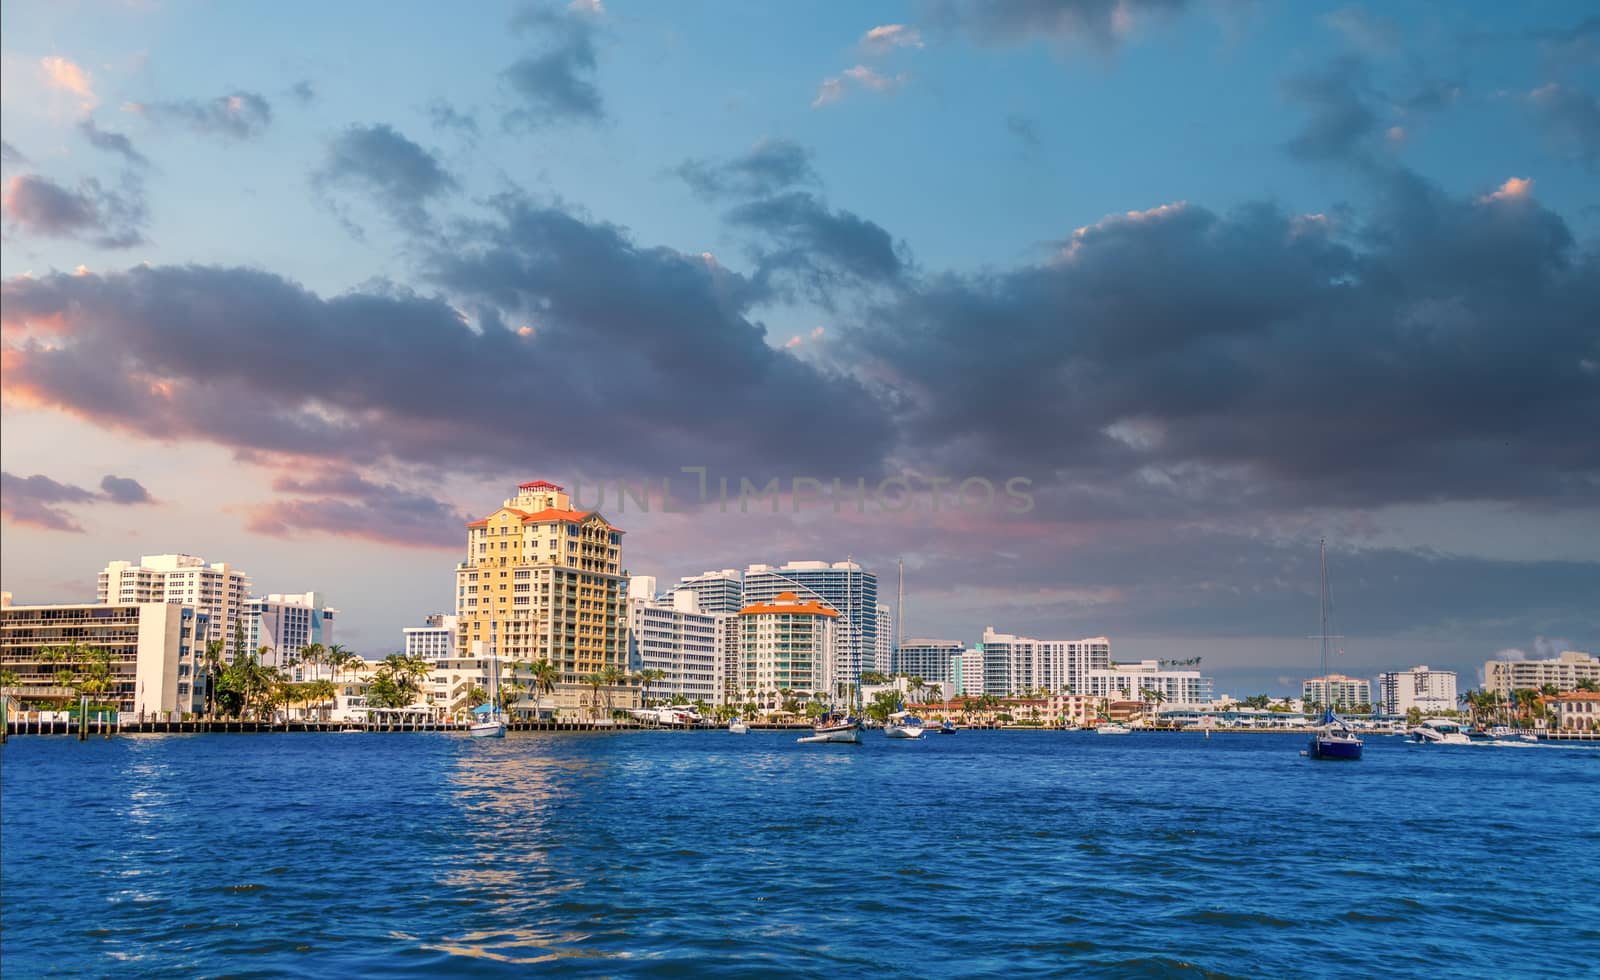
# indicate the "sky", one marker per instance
pixel 1097 314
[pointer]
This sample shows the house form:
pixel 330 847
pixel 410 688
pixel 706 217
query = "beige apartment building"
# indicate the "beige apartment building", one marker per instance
pixel 541 580
pixel 1565 671
pixel 217 588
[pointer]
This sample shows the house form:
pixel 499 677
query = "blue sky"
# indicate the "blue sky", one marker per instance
pixel 1356 299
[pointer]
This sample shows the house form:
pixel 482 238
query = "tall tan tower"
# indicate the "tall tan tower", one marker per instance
pixel 542 580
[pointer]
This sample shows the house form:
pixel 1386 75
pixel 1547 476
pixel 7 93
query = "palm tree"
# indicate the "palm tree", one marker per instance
pixel 611 675
pixel 595 681
pixel 544 674
pixel 647 677
pixel 1589 684
pixel 211 661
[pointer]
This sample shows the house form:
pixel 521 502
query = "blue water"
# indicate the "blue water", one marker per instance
pixel 680 854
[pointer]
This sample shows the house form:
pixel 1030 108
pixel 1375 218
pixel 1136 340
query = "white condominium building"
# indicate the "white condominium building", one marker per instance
pixel 1565 671
pixel 788 644
pixel 673 636
pixel 1014 664
pixel 286 624
pixel 717 592
pixel 931 660
pixel 154 650
pixel 1429 691
pixel 843 586
pixel 1147 680
pixel 966 672
pixel 218 589
pixel 433 642
pixel 1337 690
pixel 883 653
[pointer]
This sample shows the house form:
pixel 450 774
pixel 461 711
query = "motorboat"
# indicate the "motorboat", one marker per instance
pixel 1112 728
pixel 738 726
pixel 835 726
pixel 1501 731
pixel 903 724
pixel 1440 731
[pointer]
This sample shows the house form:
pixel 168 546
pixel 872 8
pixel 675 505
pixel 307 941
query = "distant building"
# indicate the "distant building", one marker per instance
pixel 155 650
pixel 1339 691
pixel 1429 691
pixel 1148 681
pixel 217 589
pixel 787 644
pixel 883 653
pixel 673 636
pixel 286 624
pixel 720 592
pixel 1575 711
pixel 931 660
pixel 967 672
pixel 434 642
pixel 1016 664
pixel 843 586
pixel 1504 676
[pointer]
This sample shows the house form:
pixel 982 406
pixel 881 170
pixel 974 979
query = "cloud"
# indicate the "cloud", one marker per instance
pixel 1571 119
pixel 59 73
pixel 10 154
pixel 111 142
pixel 1103 24
pixel 885 38
pixel 1026 132
pixel 1349 114
pixel 860 77
pixel 1239 339
pixel 624 333
pixel 400 175
pixel 556 84
pixel 445 116
pixel 34 500
pixel 238 115
pixel 91 212
pixel 342 503
pixel 824 248
pixel 770 166
pixel 303 92
pixel 1373 34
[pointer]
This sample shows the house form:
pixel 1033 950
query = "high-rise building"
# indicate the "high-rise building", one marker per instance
pixel 720 592
pixel 883 653
pixel 789 644
pixel 931 660
pixel 154 650
pixel 673 636
pixel 1504 676
pixel 217 589
pixel 843 586
pixel 541 580
pixel 1337 690
pixel 1013 665
pixel 286 624
pixel 434 641
pixel 1148 680
pixel 1429 691
pixel 967 672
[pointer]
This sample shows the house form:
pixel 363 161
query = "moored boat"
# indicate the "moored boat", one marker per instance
pixel 738 726
pixel 1112 728
pixel 903 724
pixel 1335 740
pixel 835 726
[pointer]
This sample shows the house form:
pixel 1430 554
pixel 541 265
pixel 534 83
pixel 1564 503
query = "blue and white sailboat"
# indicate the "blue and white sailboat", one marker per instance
pixel 1335 739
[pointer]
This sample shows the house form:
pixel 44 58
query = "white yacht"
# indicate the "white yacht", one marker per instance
pixel 1112 728
pixel 903 724
pixel 738 726
pixel 835 726
pixel 1440 731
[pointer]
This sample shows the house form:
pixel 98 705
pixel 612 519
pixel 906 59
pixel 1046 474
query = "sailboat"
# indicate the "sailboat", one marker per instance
pixel 903 724
pixel 1335 739
pixel 487 721
pixel 840 725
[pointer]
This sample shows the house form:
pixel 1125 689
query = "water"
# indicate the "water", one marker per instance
pixel 683 854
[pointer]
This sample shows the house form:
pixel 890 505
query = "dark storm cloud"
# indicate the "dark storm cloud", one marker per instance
pixel 402 176
pixel 237 115
pixel 345 504
pixel 823 248
pixel 772 165
pixel 92 212
pixel 1443 350
pixel 35 500
pixel 1571 119
pixel 650 346
pixel 1100 23
pixel 1341 120
pixel 116 143
pixel 555 83
pixel 10 154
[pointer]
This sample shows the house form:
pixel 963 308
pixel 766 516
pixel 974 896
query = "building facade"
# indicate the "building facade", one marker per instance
pixel 433 642
pixel 787 644
pixel 543 581
pixel 1429 691
pixel 1575 711
pixel 883 652
pixel 931 660
pixel 967 672
pixel 1565 671
pixel 843 586
pixel 217 589
pixel 1148 682
pixel 718 593
pixel 673 636
pixel 286 624
pixel 1338 691
pixel 154 650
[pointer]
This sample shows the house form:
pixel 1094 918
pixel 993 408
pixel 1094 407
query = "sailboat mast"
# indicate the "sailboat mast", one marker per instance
pixel 900 610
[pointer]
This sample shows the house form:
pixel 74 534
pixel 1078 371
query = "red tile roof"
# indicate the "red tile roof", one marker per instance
pixel 540 485
pixel 788 602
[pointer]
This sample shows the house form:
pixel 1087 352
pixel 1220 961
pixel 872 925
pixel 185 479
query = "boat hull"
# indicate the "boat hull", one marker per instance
pixel 738 728
pixel 1340 749
pixel 852 734
pixel 492 729
pixel 902 731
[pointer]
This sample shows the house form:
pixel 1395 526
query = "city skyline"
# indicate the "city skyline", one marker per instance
pixel 307 308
